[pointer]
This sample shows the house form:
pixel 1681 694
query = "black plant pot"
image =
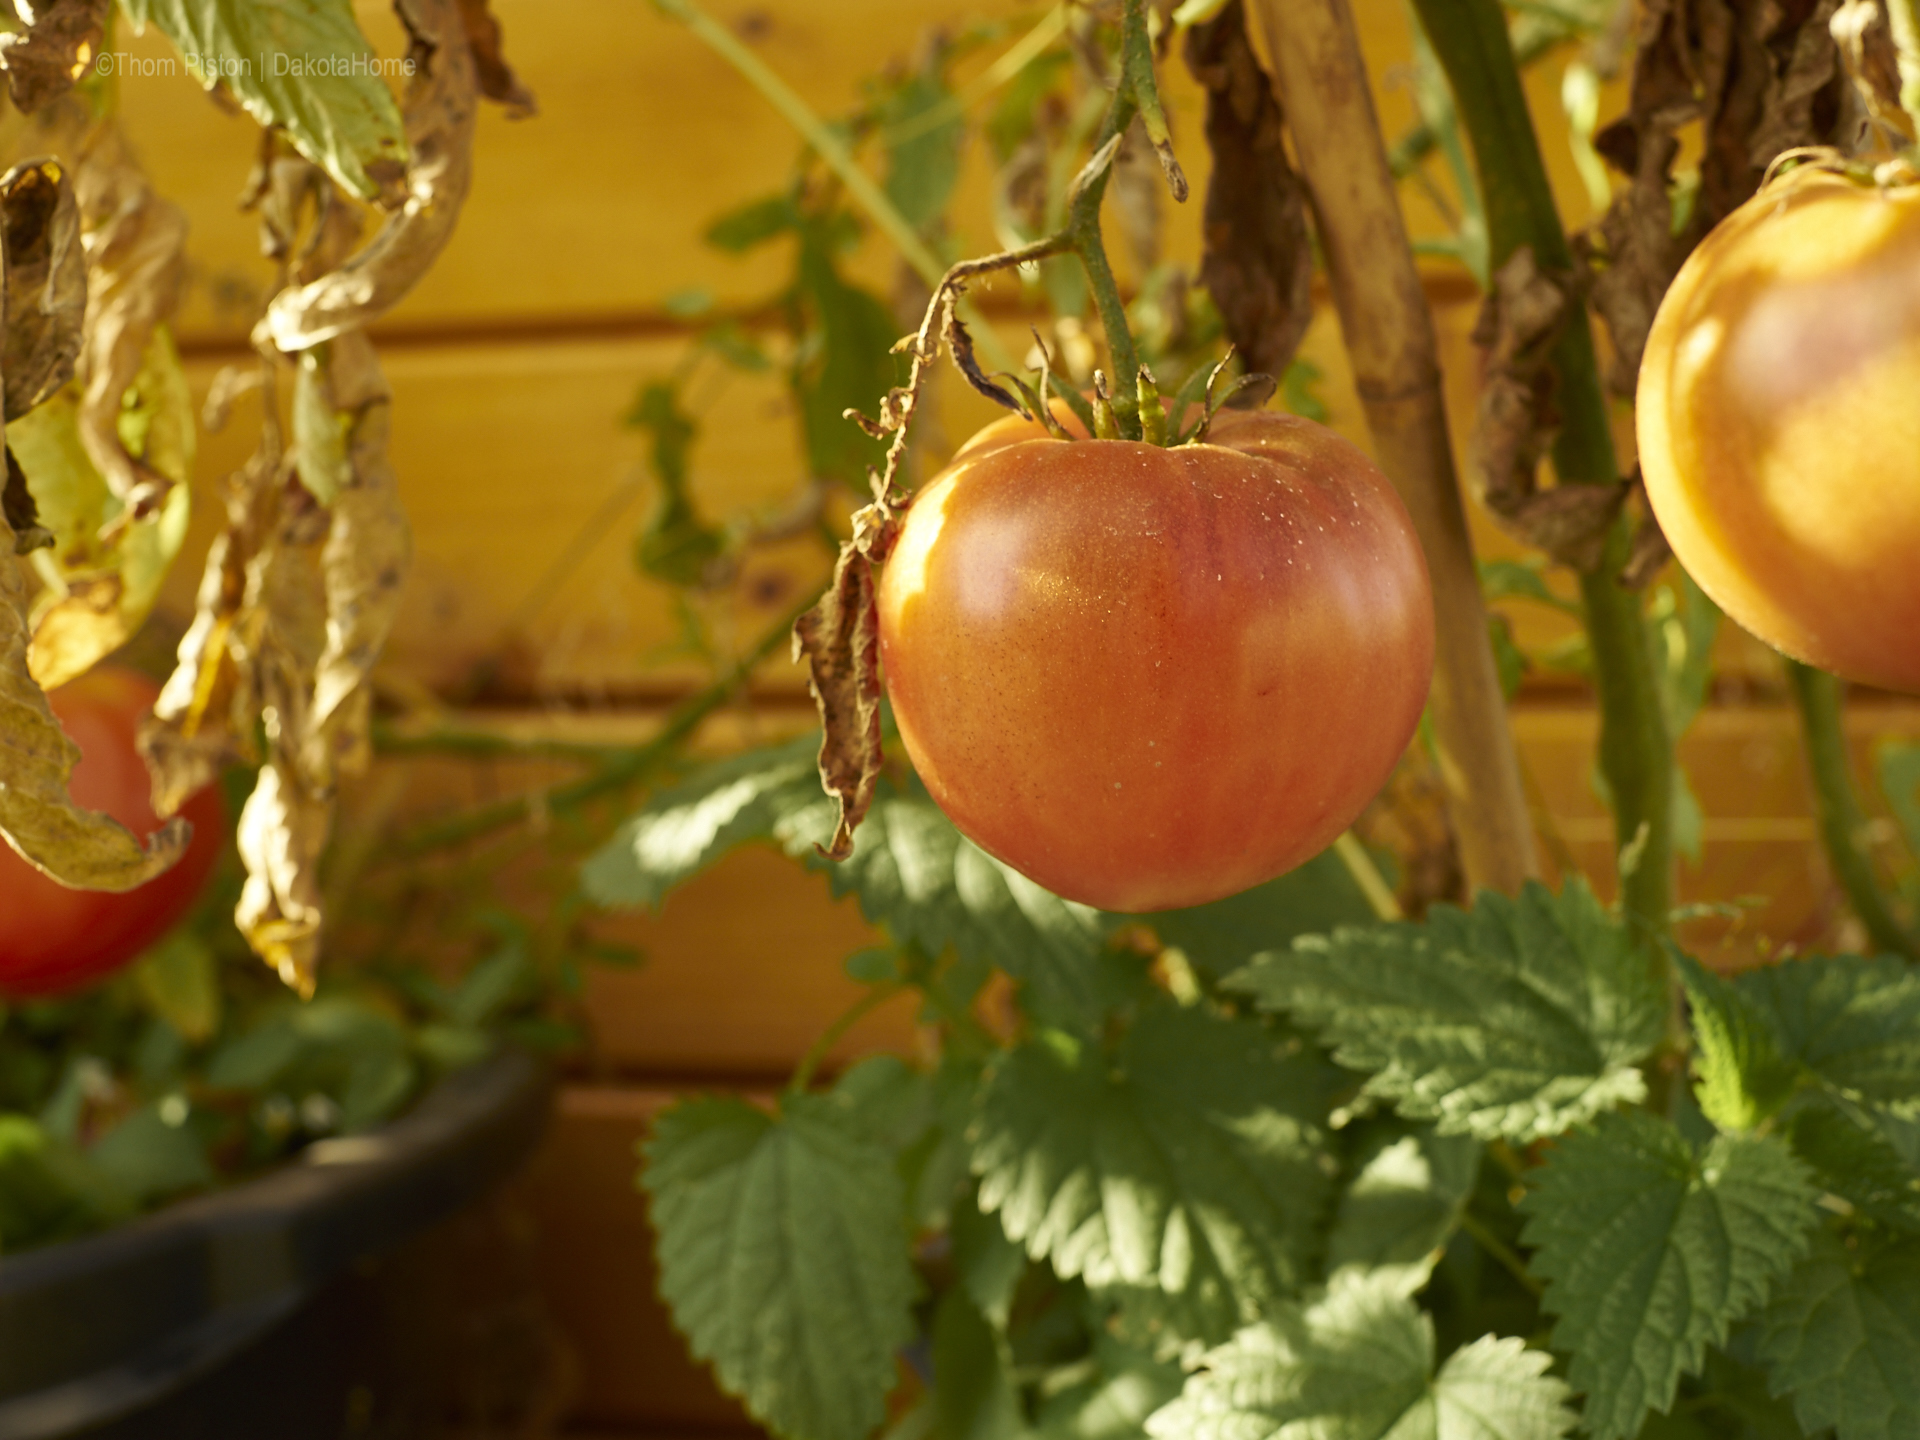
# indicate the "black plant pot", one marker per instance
pixel 247 1313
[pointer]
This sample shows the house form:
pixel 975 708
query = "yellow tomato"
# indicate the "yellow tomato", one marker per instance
pixel 1779 423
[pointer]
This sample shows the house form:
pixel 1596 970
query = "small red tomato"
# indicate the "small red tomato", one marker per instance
pixel 1148 677
pixel 53 939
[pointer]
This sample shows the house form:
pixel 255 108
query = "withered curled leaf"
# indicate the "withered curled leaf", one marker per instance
pixel 204 718
pixel 497 80
pixel 38 818
pixel 42 61
pixel 840 641
pixel 363 568
pixel 1516 420
pixel 46 282
pixel 1760 78
pixel 281 836
pixel 441 106
pixel 136 267
pixel 1258 264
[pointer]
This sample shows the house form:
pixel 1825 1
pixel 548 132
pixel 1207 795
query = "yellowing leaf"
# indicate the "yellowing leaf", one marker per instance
pixel 38 818
pixel 104 572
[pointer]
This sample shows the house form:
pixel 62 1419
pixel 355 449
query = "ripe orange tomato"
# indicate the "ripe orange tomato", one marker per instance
pixel 1147 677
pixel 54 939
pixel 1779 423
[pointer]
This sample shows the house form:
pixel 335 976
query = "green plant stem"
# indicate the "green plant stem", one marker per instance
pixel 1501 1252
pixel 1083 233
pixel 1636 753
pixel 1842 824
pixel 834 1033
pixel 830 148
pixel 622 770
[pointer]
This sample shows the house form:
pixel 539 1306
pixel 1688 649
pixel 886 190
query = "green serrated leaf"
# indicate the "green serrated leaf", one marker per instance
pixel 687 827
pixel 1857 1154
pixel 1651 1252
pixel 1743 1077
pixel 1855 1023
pixel 845 361
pixel 300 65
pixel 922 131
pixel 931 887
pixel 1403 1203
pixel 783 1254
pixel 1113 1404
pixel 1358 1365
pixel 1221 937
pixel 1189 1162
pixel 913 872
pixel 1517 1020
pixel 1842 1338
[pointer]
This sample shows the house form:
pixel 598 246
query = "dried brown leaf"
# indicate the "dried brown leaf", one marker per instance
pixel 840 640
pixel 61 39
pixel 46 282
pixel 281 837
pixel 440 106
pixel 1760 77
pixel 38 818
pixel 1258 264
pixel 497 80
pixel 1516 420
pixel 136 270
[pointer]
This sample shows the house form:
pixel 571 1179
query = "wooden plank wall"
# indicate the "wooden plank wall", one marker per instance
pixel 511 365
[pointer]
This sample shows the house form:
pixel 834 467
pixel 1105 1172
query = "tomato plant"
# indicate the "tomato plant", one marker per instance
pixel 1777 425
pixel 1151 677
pixel 54 939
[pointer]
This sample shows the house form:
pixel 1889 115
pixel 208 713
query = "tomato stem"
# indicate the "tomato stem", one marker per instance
pixel 1636 753
pixel 1818 696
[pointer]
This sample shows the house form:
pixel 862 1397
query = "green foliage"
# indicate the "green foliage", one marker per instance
pixel 1842 1338
pixel 342 117
pixel 922 129
pixel 1515 1020
pixel 783 1251
pixel 677 544
pixel 1854 1023
pixel 1652 1251
pixel 1358 1364
pixel 912 871
pixel 1218 939
pixel 1404 1200
pixel 1189 1161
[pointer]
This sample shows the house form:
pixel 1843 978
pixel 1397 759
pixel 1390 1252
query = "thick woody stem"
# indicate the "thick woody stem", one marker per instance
pixel 1324 90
